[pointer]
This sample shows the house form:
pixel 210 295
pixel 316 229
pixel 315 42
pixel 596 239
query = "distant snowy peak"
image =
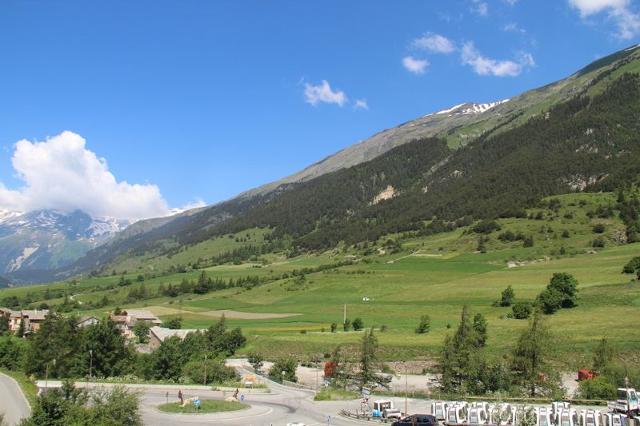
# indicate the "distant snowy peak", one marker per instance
pixel 6 215
pixel 468 108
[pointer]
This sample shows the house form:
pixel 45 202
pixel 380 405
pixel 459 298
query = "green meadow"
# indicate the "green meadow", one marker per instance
pixel 434 275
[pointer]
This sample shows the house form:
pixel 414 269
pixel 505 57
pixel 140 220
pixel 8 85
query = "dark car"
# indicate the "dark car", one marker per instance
pixel 417 420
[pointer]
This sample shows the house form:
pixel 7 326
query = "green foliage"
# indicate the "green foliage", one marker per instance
pixel 424 325
pixel 597 388
pixel 602 356
pixel 530 359
pixel 70 406
pixel 370 367
pixel 561 292
pixel 256 360
pixel 141 331
pixel 486 227
pixel 174 323
pixel 205 371
pixel 480 329
pixel 284 368
pixel 522 310
pixel 346 325
pixel 507 297
pixel 334 327
pixel 633 266
pixel 358 324
pixel 599 228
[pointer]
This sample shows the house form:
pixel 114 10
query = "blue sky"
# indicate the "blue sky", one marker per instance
pixel 206 99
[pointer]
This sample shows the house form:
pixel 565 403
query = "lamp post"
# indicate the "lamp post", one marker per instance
pixel 90 363
pixel 406 391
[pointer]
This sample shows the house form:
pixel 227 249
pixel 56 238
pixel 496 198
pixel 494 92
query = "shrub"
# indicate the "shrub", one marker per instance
pixel 334 327
pixel 507 296
pixel 598 228
pixel 424 325
pixel 486 227
pixel 256 360
pixel 284 368
pixel 358 324
pixel 208 371
pixel 522 310
pixel 598 243
pixel 597 388
pixel 550 301
pixel 565 233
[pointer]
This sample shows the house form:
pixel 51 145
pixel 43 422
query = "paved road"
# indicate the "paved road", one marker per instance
pixel 13 403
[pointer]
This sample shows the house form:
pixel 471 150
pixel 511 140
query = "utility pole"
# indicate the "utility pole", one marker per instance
pixel 406 411
pixel 205 369
pixel 344 315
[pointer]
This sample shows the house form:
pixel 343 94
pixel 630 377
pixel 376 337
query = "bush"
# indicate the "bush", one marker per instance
pixel 208 371
pixel 486 227
pixel 334 327
pixel 597 388
pixel 507 296
pixel 522 310
pixel 566 285
pixel 598 228
pixel 358 324
pixel 550 301
pixel 598 243
pixel 424 326
pixel 565 233
pixel 528 241
pixel 256 360
pixel 284 368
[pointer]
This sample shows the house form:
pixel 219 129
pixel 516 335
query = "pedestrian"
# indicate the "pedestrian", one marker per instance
pixel 180 397
pixel 235 394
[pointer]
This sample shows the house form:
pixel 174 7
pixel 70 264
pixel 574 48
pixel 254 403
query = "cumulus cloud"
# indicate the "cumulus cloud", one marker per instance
pixel 361 104
pixel 416 66
pixel 435 43
pixel 480 8
pixel 618 11
pixel 61 173
pixel 322 93
pixel 483 65
pixel 514 28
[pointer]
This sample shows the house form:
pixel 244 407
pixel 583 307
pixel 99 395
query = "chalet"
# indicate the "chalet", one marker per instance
pixel 86 321
pixel 157 335
pixel 126 320
pixel 33 319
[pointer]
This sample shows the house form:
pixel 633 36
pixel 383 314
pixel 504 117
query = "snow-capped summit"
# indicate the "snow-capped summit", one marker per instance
pixel 470 108
pixel 48 239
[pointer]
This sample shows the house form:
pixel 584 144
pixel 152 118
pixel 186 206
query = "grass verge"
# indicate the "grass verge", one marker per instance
pixel 332 394
pixel 207 406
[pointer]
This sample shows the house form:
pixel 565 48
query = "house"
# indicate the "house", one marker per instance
pixel 157 335
pixel 126 320
pixel 33 319
pixel 13 318
pixel 87 320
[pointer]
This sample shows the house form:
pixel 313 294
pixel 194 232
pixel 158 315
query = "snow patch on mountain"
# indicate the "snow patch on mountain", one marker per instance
pixel 18 261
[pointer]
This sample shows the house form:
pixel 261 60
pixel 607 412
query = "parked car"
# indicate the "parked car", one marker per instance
pixel 417 420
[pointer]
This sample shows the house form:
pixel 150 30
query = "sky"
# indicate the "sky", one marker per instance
pixel 134 108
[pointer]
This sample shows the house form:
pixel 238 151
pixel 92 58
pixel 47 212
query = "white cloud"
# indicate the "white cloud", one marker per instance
pixel 434 43
pixel 479 7
pixel 416 66
pixel 511 2
pixel 322 93
pixel 483 65
pixel 60 173
pixel 514 28
pixel 618 11
pixel 361 104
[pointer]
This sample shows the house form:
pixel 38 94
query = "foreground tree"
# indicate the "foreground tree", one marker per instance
pixel 370 366
pixel 529 366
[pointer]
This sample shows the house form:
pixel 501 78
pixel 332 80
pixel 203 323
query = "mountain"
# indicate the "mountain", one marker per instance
pixel 464 163
pixel 38 241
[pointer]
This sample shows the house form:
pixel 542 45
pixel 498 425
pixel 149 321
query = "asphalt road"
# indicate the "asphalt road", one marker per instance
pixel 13 403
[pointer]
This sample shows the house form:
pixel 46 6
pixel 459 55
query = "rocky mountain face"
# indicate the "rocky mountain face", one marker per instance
pixel 45 240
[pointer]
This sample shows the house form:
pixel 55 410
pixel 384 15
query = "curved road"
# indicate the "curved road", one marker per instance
pixel 13 403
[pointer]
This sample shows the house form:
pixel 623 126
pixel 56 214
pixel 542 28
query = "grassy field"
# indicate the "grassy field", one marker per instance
pixel 207 406
pixel 434 275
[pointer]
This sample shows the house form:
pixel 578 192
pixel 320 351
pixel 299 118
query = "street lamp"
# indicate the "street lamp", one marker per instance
pixel 90 362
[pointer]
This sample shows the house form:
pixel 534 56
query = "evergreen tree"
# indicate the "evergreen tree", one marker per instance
pixel 530 366
pixel 603 356
pixel 480 329
pixel 424 325
pixel 507 296
pixel 369 364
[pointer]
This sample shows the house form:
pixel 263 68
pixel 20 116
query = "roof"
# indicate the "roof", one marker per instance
pixel 36 314
pixel 140 314
pixel 86 318
pixel 163 333
pixel 10 312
